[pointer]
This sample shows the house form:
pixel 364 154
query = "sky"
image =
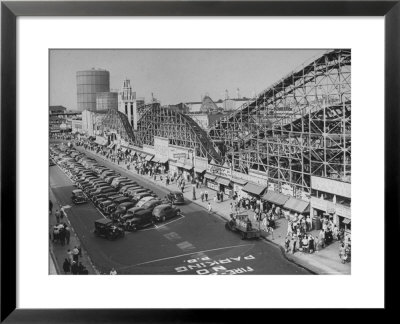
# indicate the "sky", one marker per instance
pixel 175 76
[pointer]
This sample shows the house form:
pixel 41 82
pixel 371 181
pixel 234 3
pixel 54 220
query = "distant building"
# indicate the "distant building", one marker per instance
pixel 129 104
pixel 92 121
pixel 194 106
pixel 181 107
pixel 89 83
pixel 233 104
pixel 106 100
pixel 56 110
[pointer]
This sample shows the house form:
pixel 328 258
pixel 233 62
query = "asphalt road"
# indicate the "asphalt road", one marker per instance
pixel 196 243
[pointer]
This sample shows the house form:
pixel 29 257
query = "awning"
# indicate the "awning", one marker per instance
pixel 142 155
pixel 210 176
pixel 276 198
pixel 224 181
pixel 187 167
pixel 155 160
pixel 101 141
pixel 239 181
pixel 162 159
pixel 346 221
pixel 123 150
pixel 199 170
pixel 297 205
pixel 149 157
pixel 253 189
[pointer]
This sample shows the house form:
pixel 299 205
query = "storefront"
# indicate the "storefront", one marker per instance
pixel 275 198
pixel 296 206
pixel 183 170
pixel 225 185
pixel 200 167
pixel 254 190
pixel 331 199
pixel 161 163
pixel 210 181
pixel 238 185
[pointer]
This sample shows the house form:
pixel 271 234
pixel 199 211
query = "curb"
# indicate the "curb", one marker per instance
pixel 53 257
pixel 83 251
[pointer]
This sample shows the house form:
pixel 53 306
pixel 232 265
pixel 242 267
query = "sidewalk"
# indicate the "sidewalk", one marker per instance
pixel 325 261
pixel 58 252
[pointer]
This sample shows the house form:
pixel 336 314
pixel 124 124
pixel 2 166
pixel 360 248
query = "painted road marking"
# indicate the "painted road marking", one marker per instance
pixel 185 246
pixel 181 255
pixel 172 236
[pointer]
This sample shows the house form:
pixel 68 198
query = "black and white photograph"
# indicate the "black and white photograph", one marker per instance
pixel 200 161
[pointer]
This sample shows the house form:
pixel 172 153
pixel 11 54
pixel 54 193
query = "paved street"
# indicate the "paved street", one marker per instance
pixel 196 243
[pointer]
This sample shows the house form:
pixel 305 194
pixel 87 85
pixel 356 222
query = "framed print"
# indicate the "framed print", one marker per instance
pixel 189 140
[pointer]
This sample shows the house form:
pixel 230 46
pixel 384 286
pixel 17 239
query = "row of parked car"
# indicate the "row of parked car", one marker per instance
pixel 127 205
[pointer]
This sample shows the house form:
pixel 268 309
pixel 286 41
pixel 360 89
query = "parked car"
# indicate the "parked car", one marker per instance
pixel 141 195
pixel 130 191
pixel 78 197
pixel 164 212
pixel 106 228
pixel 111 208
pixel 142 219
pixel 176 198
pixel 144 200
pixel 122 209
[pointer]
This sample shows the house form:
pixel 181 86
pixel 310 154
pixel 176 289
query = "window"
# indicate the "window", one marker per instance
pixel 343 201
pixel 131 109
pixel 328 196
pixel 126 109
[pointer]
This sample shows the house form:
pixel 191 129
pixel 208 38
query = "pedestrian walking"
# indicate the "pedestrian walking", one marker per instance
pixel 57 215
pixel 67 235
pixel 215 199
pixel 206 195
pixel 74 268
pixel 194 191
pixel 75 254
pixel 66 266
pixel 61 236
pixel 50 207
pixel 209 208
pixel 70 256
pixel 62 212
pixel 202 195
pixel 217 196
pixel 222 196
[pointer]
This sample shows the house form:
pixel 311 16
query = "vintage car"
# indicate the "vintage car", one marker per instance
pixel 176 198
pixel 141 219
pixel 122 209
pixel 106 228
pixel 243 225
pixel 78 197
pixel 164 212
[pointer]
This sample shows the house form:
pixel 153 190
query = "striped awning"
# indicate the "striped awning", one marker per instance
pixel 275 198
pixel 224 181
pixel 210 176
pixel 162 159
pixel 253 189
pixel 239 181
pixel 297 205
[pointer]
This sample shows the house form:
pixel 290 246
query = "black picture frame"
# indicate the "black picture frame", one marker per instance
pixel 9 13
